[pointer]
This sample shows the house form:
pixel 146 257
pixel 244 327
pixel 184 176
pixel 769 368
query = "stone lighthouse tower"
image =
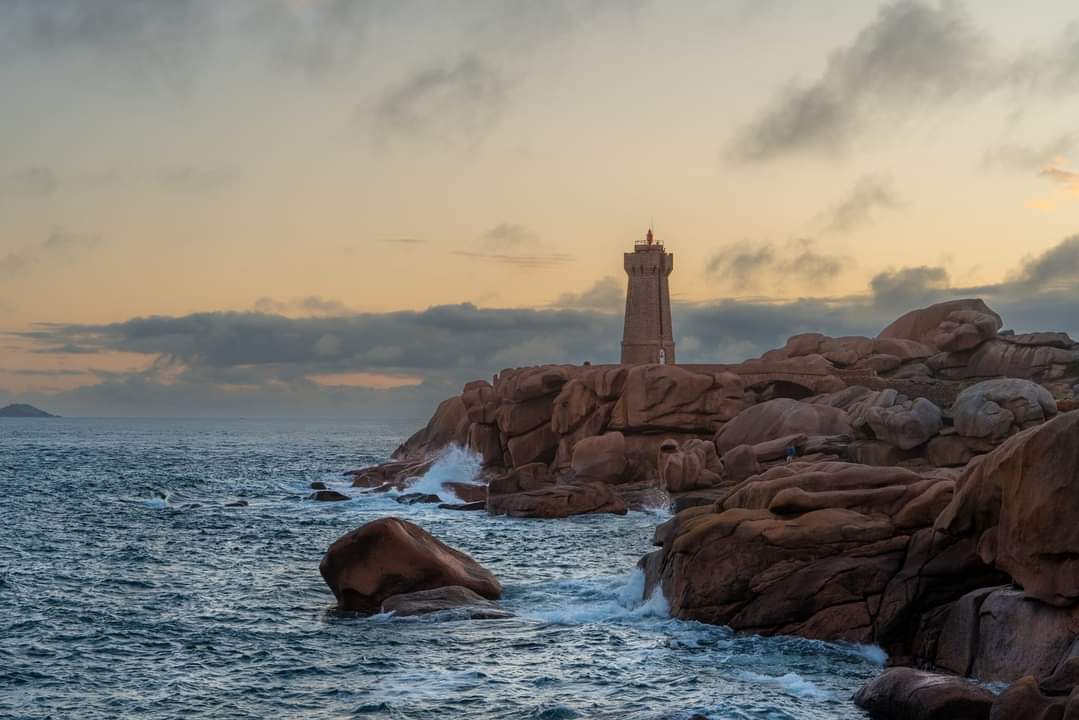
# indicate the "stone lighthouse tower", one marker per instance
pixel 647 337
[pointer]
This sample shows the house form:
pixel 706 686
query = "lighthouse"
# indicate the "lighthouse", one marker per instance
pixel 646 335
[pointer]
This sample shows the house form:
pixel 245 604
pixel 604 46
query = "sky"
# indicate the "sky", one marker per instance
pixel 352 207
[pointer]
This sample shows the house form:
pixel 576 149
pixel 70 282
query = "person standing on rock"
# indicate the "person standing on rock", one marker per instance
pixel 792 451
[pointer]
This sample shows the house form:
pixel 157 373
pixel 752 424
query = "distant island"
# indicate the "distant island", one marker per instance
pixel 22 410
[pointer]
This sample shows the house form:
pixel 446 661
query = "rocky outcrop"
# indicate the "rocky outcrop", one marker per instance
pixel 667 397
pixel 690 466
pixel 906 424
pixel 601 458
pixel 454 598
pixel 558 501
pixel 924 326
pixel 964 330
pixel 449 425
pixel 836 531
pixel 390 557
pixel 908 694
pixel 987 413
pixel 778 418
pixel 1020 503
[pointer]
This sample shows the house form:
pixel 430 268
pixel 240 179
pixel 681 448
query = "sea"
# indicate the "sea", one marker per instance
pixel 132 586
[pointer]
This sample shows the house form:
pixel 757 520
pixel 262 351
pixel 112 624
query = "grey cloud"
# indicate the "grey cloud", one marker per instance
pixel 1057 267
pixel 317 38
pixel 403 240
pixel 252 363
pixel 870 192
pixel 607 295
pixel 745 265
pixel 34 181
pixel 149 40
pixel 909 287
pixel 59 245
pixel 911 56
pixel 1025 158
pixel 457 100
pixel 1053 68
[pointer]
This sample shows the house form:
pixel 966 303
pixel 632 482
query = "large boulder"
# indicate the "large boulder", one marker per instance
pixel 391 556
pixel 906 424
pixel 776 418
pixel 908 694
pixel 998 634
pixel 539 445
pixel 994 409
pixel 601 458
pixel 1020 503
pixel 691 465
pixel 964 330
pixel 1025 700
pixel 667 397
pixel 998 357
pixel 922 325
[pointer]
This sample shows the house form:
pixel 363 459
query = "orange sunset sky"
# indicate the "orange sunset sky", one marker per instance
pixel 325 207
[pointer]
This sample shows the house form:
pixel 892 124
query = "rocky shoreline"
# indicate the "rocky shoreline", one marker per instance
pixel 918 490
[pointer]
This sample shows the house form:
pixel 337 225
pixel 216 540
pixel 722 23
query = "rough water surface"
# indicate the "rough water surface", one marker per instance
pixel 129 589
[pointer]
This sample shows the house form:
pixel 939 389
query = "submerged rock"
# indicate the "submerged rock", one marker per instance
pixel 417 498
pixel 327 496
pixel 454 597
pixel 469 506
pixel 390 557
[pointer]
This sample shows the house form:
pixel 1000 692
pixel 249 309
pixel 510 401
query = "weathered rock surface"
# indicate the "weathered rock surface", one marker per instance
pixel 908 694
pixel 778 418
pixel 992 410
pixel 1021 503
pixel 907 424
pixel 449 425
pixel 964 330
pixel 922 325
pixel 558 501
pixel 601 458
pixel 390 557
pixel 454 598
pixel 690 466
pixel 667 397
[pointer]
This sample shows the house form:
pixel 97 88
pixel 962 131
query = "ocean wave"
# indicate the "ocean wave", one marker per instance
pixel 790 683
pixel 456 464
pixel 600 600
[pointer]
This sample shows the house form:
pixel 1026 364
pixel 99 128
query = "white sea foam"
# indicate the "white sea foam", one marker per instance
pixel 790 683
pixel 455 464
pixel 617 599
pixel 873 653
